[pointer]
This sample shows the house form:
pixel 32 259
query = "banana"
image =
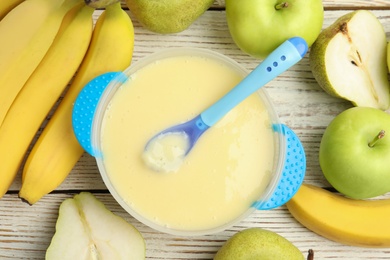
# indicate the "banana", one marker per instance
pixel 6 6
pixel 363 223
pixel 26 34
pixel 57 150
pixel 42 90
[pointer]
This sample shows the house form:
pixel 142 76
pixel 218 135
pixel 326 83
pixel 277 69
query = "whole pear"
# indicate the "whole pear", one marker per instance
pixel 168 16
pixel 258 243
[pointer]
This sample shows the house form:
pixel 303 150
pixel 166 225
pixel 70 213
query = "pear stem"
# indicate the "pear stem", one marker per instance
pixel 377 138
pixel 310 255
pixel 281 5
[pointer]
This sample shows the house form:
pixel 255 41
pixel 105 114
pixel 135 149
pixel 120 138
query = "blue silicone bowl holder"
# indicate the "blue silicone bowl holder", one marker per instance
pixel 281 191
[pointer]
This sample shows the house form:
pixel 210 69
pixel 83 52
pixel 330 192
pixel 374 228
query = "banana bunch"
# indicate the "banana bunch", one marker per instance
pixel 42 89
pixel 28 43
pixel 362 223
pixel 57 150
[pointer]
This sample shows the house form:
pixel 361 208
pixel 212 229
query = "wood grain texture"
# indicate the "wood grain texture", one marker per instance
pixel 26 231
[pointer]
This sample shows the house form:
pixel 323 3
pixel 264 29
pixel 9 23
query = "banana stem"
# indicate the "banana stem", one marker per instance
pixel 281 5
pixel 377 138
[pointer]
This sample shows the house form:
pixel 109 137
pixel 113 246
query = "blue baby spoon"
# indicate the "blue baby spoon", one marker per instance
pixel 158 153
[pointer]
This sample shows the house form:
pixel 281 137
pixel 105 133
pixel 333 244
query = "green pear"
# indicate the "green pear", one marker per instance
pixel 258 243
pixel 348 60
pixel 167 16
pixel 86 229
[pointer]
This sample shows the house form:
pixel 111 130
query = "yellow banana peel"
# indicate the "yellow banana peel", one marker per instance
pixel 27 32
pixel 7 5
pixel 57 149
pixel 43 89
pixel 364 223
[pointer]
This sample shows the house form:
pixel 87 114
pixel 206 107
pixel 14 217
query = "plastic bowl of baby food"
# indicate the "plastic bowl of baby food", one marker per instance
pixel 168 202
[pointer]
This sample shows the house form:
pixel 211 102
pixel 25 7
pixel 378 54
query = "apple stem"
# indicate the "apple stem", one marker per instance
pixel 377 138
pixel 310 255
pixel 281 5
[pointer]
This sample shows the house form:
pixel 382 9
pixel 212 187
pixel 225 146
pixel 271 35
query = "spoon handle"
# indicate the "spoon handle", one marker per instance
pixel 281 59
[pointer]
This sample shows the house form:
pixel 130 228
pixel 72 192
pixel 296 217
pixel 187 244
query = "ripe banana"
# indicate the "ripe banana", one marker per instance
pixel 57 149
pixel 42 90
pixel 6 6
pixel 26 34
pixel 362 223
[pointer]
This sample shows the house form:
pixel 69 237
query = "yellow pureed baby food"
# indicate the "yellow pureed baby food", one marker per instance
pixel 224 174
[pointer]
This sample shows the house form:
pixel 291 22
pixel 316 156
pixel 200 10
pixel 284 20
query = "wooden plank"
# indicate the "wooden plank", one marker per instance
pixel 26 231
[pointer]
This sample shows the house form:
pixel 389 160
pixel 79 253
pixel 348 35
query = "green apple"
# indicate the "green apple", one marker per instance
pixel 355 152
pixel 86 229
pixel 348 60
pixel 259 26
pixel 167 16
pixel 258 243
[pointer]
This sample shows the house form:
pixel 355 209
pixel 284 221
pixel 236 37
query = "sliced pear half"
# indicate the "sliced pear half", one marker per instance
pixel 86 229
pixel 348 60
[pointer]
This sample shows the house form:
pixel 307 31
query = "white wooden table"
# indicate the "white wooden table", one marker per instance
pixel 26 231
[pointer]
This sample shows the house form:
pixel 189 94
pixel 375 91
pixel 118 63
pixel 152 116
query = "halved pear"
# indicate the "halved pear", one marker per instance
pixel 348 60
pixel 86 229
